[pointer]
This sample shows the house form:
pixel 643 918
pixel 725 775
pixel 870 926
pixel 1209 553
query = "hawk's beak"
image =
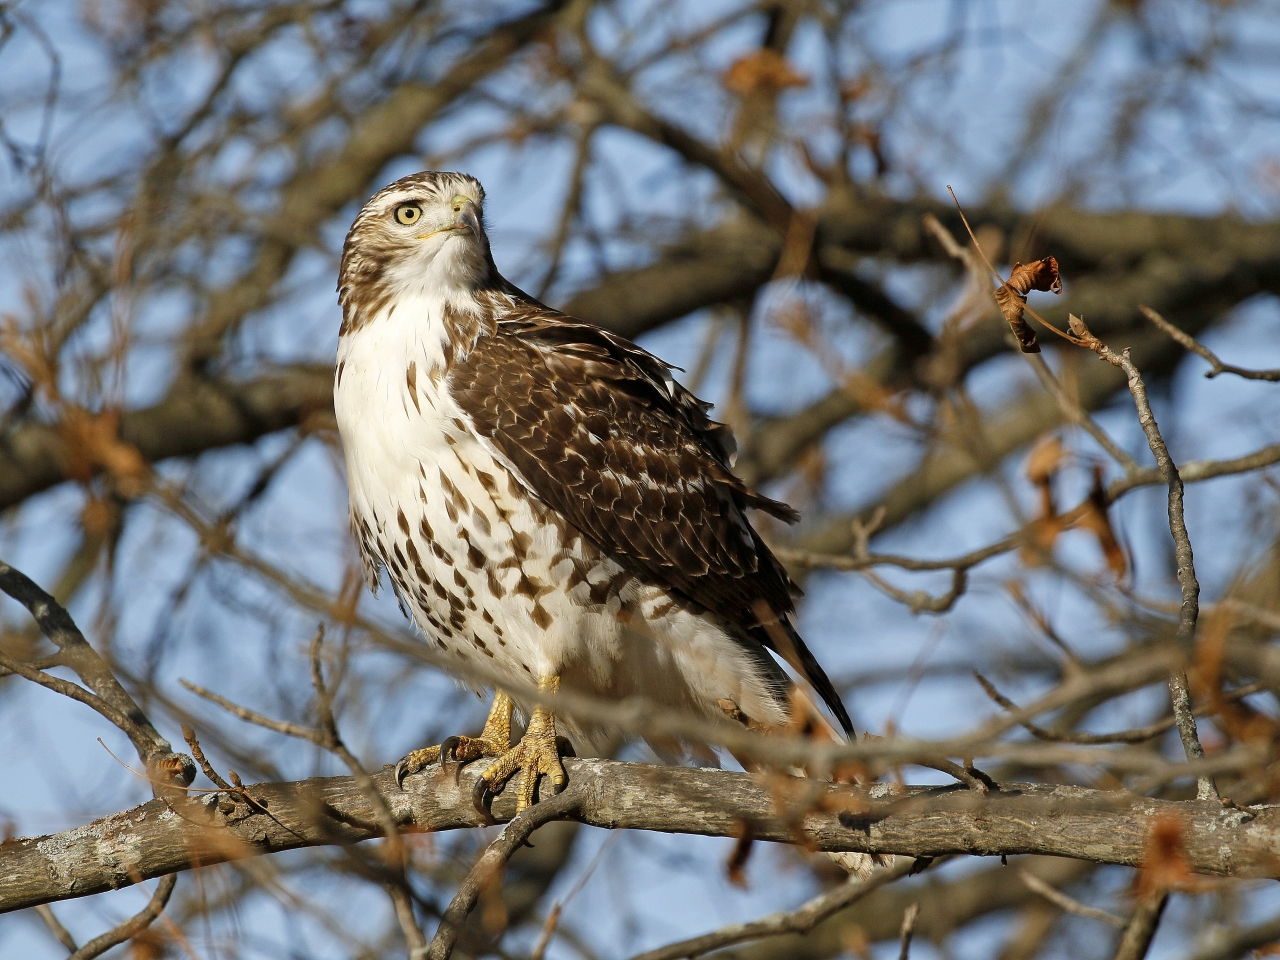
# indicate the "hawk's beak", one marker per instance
pixel 467 216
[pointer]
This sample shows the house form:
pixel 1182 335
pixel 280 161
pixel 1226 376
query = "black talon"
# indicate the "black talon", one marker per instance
pixel 564 747
pixel 401 772
pixel 449 748
pixel 481 798
pixel 449 756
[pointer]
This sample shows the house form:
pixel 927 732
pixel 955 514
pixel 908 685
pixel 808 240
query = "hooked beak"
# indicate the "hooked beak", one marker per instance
pixel 466 217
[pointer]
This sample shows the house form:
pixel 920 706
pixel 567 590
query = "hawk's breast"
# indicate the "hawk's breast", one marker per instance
pixel 495 578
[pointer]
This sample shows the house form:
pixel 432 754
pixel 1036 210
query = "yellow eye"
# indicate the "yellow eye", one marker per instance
pixel 408 213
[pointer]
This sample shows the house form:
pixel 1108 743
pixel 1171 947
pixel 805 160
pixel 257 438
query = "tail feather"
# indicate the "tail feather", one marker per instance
pixel 781 636
pixel 809 721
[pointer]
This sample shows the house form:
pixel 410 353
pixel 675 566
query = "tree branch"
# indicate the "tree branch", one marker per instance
pixel 159 838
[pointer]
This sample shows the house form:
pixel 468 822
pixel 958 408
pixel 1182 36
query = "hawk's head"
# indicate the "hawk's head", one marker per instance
pixel 423 234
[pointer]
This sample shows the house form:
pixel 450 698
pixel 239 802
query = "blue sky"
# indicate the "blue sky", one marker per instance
pixel 238 636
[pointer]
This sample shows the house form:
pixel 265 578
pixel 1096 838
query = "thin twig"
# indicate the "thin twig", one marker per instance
pixel 1069 904
pixel 108 697
pixel 488 868
pixel 60 933
pixel 252 716
pixel 202 761
pixel 800 920
pixel 1199 349
pixel 1231 942
pixel 908 930
pixel 235 787
pixel 553 917
pixel 1186 569
pixel 1134 735
pixel 1075 413
pixel 396 883
pixel 1194 471
pixel 1141 928
pixel 401 898
pixel 133 926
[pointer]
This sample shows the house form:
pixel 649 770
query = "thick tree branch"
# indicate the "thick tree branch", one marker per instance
pixel 719 264
pixel 198 415
pixel 157 838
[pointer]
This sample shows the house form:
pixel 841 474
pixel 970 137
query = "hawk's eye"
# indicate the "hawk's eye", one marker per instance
pixel 408 213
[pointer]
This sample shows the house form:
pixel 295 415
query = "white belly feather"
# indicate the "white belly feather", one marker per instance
pixel 488 573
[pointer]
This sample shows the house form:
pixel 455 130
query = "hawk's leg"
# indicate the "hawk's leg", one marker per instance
pixel 537 754
pixel 494 741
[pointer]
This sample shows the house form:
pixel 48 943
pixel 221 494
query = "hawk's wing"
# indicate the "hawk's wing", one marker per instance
pixel 600 432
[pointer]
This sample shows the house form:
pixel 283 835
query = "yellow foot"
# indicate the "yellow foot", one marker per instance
pixel 536 755
pixel 494 741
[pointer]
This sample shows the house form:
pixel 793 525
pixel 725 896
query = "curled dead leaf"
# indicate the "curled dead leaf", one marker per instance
pixel 1237 719
pixel 1042 466
pixel 98 517
pixel 1011 296
pixel 1036 275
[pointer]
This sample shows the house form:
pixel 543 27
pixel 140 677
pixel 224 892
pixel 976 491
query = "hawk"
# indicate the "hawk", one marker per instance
pixel 546 500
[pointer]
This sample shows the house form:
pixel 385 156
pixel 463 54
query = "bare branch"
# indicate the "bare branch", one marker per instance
pixel 131 927
pixel 159 838
pixel 485 874
pixel 800 920
pixel 1141 929
pixel 109 698
pixel 1069 904
pixel 1190 612
pixel 1200 350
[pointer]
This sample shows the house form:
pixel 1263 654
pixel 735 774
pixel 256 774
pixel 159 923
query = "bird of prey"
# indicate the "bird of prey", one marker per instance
pixel 548 503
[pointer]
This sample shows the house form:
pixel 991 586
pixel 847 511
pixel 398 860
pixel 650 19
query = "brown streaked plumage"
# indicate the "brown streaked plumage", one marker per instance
pixel 546 500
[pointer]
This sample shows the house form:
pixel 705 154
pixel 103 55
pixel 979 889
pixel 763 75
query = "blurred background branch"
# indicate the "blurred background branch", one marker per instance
pixel 756 190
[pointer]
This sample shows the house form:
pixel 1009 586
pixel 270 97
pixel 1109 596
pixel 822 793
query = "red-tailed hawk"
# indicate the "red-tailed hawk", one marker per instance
pixel 546 500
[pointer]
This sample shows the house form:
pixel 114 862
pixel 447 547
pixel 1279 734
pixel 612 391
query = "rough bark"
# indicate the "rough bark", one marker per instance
pixel 162 837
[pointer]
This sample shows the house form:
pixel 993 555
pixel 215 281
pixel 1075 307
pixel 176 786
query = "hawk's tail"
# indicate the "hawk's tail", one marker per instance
pixel 777 633
pixel 812 723
pixel 808 721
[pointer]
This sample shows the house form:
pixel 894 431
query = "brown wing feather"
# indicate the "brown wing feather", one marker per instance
pixel 599 430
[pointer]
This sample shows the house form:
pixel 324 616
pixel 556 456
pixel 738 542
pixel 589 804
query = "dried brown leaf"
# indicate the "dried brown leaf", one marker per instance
pixel 97 518
pixel 1012 304
pixel 93 443
pixel 1042 466
pixel 1043 533
pixel 1011 297
pixel 735 867
pixel 1045 459
pixel 1238 720
pixel 1165 865
pixel 762 71
pixel 1036 275
pixel 149 944
pixel 1097 521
